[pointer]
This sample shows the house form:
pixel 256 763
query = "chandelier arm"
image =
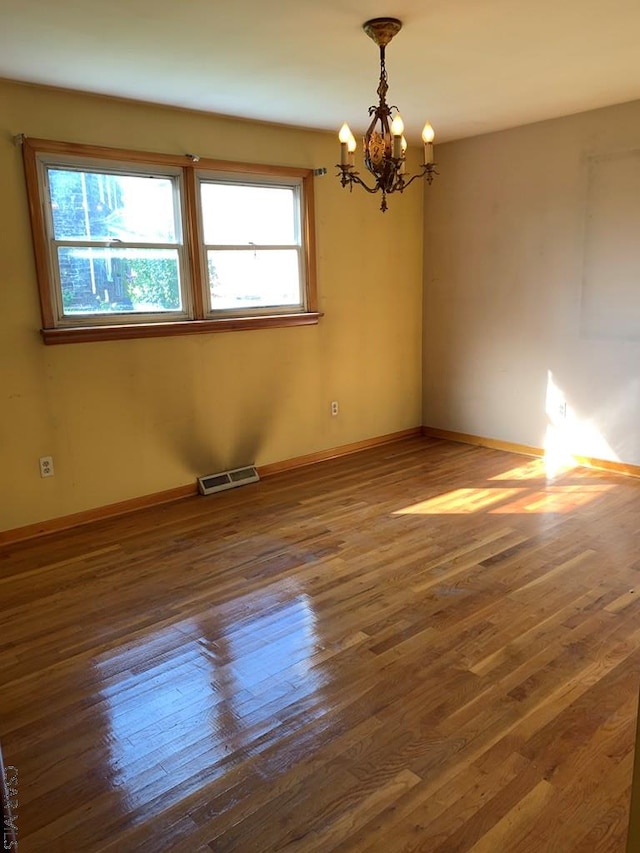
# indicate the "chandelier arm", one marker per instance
pixel 354 178
pixel 427 170
pixel 364 186
pixel 413 178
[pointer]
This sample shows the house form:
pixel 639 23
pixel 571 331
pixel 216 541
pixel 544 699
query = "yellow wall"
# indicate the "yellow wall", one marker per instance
pixel 129 418
pixel 532 286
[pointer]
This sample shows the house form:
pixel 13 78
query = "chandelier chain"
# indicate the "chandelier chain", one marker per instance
pixel 383 86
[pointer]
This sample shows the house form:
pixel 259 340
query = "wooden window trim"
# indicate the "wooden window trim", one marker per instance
pixel 53 334
pixel 86 334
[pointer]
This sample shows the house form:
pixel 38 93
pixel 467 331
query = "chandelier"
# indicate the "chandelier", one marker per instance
pixel 384 145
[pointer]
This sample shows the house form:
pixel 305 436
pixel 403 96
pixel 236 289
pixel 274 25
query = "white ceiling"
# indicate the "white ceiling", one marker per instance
pixel 469 66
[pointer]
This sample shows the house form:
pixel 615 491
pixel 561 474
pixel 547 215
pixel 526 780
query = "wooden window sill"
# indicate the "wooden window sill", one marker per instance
pixel 88 334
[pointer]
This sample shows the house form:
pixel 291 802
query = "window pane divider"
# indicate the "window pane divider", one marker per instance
pixel 111 244
pixel 192 239
pixel 253 247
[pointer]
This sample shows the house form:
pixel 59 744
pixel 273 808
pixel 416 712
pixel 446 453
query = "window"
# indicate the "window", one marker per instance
pixel 252 244
pixel 134 245
pixel 115 244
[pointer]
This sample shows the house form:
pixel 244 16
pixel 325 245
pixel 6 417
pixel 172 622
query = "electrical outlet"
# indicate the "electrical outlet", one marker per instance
pixel 46 466
pixel 334 408
pixel 562 409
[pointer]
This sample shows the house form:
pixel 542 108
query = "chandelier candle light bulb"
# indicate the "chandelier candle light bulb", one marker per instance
pixel 384 144
pixel 427 137
pixel 351 149
pixel 397 129
pixel 345 136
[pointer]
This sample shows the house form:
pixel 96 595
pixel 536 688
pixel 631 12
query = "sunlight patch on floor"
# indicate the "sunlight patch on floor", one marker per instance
pixel 546 499
pixel 461 501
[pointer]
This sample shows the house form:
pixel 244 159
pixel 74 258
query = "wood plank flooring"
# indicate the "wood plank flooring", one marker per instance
pixel 421 647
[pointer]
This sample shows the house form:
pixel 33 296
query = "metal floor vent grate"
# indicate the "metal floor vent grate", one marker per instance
pixel 227 480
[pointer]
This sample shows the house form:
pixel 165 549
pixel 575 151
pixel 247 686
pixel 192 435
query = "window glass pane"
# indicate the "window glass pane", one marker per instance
pixel 118 280
pixel 237 215
pixel 96 206
pixel 253 279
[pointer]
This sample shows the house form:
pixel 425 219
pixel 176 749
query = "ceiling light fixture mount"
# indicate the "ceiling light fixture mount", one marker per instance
pixel 384 144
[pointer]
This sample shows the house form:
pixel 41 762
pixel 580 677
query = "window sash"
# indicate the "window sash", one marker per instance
pixel 107 317
pixel 262 303
pixel 297 189
pixel 89 166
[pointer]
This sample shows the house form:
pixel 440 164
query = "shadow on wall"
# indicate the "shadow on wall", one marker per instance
pixel 225 418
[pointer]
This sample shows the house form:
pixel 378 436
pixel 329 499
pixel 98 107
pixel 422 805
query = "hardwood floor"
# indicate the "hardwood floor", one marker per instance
pixel 422 647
